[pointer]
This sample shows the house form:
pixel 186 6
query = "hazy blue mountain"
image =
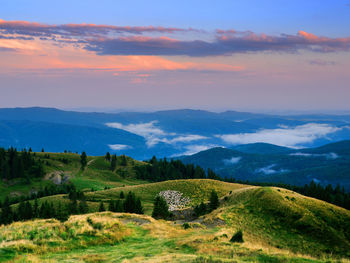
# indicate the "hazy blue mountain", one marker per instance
pixel 328 164
pixel 340 148
pixel 162 133
pixel 262 148
pixel 55 137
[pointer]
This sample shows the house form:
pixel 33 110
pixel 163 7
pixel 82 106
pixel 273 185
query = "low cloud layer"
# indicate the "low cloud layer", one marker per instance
pixel 233 160
pixel 267 170
pixel 154 134
pixel 330 156
pixel 193 149
pixel 167 41
pixel 293 137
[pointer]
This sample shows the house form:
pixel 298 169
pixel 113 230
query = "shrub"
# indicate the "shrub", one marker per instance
pixel 186 225
pixel 237 237
pixel 214 200
pixel 200 209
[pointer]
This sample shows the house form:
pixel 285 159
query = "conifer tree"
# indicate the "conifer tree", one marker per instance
pixel 108 156
pixel 83 207
pixel 35 208
pixel 130 203
pixel 21 211
pixel 101 207
pixel 160 208
pixel 138 207
pixel 28 211
pixel 213 201
pixel 118 206
pixel 73 207
pixel 111 206
pixel 124 161
pixel 114 162
pixel 83 160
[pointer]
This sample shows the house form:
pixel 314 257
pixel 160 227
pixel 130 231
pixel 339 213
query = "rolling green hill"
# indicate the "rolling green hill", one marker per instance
pixel 278 225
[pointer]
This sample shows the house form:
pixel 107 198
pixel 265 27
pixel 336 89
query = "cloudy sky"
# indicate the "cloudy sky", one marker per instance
pixel 257 55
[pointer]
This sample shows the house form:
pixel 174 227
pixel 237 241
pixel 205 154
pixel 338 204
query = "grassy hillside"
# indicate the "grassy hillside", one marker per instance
pixel 278 226
pixel 66 167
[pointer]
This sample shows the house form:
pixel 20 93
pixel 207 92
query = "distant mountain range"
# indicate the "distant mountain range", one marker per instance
pixel 166 133
pixel 260 162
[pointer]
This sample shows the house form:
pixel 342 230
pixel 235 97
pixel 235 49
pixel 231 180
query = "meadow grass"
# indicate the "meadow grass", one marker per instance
pixel 118 237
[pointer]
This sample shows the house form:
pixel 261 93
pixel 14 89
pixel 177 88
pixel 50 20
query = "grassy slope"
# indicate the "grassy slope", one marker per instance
pixel 278 226
pixel 283 219
pixel 112 237
pixel 97 174
pixel 196 189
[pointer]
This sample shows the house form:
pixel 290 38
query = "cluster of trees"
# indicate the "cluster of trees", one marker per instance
pixel 26 210
pixel 162 170
pixel 337 195
pixel 23 164
pixel 130 204
pixel 31 209
pixel 113 159
pixel 46 191
pixel 203 208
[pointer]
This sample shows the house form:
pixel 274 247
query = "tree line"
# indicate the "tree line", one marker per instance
pixel 23 164
pixel 46 191
pixel 77 204
pixel 163 170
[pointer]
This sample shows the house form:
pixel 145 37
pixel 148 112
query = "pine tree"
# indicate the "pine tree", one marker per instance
pixel 118 206
pixel 124 161
pixel 111 206
pixel 108 156
pixel 28 211
pixel 114 162
pixel 73 207
pixel 160 208
pixel 101 207
pixel 200 209
pixel 83 160
pixel 21 211
pixel 60 213
pixel 121 195
pixel 36 208
pixel 83 207
pixel 130 203
pixel 138 207
pixel 213 201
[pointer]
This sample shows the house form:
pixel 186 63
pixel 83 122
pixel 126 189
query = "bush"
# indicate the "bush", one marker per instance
pixel 237 237
pixel 214 200
pixel 186 225
pixel 200 209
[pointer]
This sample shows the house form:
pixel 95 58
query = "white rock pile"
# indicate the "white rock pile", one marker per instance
pixel 175 199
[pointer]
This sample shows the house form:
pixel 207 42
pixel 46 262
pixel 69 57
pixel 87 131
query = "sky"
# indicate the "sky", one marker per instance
pixel 252 55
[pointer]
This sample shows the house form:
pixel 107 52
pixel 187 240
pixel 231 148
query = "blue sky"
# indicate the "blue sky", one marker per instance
pixel 269 16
